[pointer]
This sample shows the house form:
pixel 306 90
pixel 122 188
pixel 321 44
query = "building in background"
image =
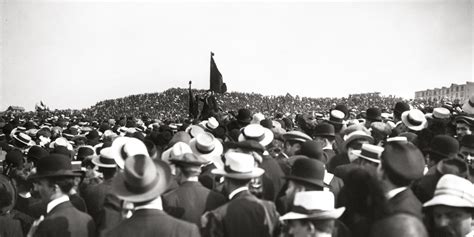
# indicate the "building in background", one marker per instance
pixel 454 92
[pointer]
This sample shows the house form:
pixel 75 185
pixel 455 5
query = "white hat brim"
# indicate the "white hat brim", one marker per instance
pixel 214 156
pixel 448 200
pixel 96 161
pixel 268 137
pixel 358 154
pixel 256 172
pixel 323 215
pixel 413 127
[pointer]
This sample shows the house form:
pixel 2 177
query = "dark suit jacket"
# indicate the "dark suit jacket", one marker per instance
pixel 328 154
pixel 403 202
pixel 190 201
pixel 272 179
pixel 10 227
pixel 94 196
pixel 339 159
pixel 244 215
pixel 66 221
pixel 153 222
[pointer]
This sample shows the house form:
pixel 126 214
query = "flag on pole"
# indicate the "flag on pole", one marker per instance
pixel 216 83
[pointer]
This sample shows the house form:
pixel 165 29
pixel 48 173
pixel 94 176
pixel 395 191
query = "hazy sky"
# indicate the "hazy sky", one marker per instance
pixel 72 54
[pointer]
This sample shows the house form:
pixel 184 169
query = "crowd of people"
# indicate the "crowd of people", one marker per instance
pixel 250 165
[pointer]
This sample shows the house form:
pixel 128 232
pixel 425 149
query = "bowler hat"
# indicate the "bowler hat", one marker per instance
pixel 444 146
pixel 404 159
pixel 373 114
pixel 324 130
pixel 312 149
pixel 309 171
pixel 54 165
pixel 14 158
pixel 36 153
pixel 244 116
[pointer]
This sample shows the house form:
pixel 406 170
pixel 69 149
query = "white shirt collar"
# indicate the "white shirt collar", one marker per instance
pixel 155 204
pixel 55 202
pixel 233 193
pixel 192 179
pixel 392 193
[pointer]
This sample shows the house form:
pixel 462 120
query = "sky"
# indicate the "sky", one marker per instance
pixel 72 54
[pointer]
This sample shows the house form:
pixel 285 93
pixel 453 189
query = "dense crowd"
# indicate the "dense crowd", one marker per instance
pixel 240 165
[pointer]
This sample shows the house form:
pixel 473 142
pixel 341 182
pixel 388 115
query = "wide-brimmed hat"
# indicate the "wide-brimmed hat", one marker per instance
pixel 258 133
pixel 188 159
pixel 176 150
pixel 210 124
pixel 439 113
pixel 318 205
pixel 239 166
pixel 308 171
pixel 357 133
pixel 142 179
pixel 296 136
pixel 403 159
pixel 208 147
pixel 336 117
pixel 370 152
pixel 103 160
pixel 53 165
pixel 414 119
pixel 123 147
pixel 23 138
pixel 194 130
pixel 452 191
pixel 324 130
pixel 469 120
pixel 468 106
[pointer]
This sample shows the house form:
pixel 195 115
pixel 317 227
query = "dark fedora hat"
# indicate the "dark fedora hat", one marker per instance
pixel 373 114
pixel 404 159
pixel 244 116
pixel 444 146
pixel 54 165
pixel 36 153
pixel 324 130
pixel 312 149
pixel 308 171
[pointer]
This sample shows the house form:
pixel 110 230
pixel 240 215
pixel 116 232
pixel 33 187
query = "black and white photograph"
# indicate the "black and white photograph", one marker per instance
pixel 237 118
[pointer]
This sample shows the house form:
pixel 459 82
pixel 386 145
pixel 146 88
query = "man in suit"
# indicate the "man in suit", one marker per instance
pixel 191 199
pixel 95 195
pixel 141 183
pixel 400 164
pixel 325 134
pixel 244 214
pixel 53 180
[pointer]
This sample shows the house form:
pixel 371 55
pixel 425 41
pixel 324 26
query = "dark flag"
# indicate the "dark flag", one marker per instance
pixel 217 85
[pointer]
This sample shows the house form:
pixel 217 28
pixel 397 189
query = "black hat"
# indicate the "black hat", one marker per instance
pixel 444 146
pixel 312 149
pixel 92 135
pixel 343 108
pixel 14 158
pixel 54 165
pixel 373 114
pixel 267 123
pixel 468 141
pixel 309 171
pixel 244 116
pixel 404 159
pixel 84 151
pixel 36 153
pixel 400 107
pixel 324 129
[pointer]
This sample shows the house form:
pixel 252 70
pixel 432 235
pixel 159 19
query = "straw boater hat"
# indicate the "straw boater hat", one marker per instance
pixel 103 160
pixel 336 117
pixel 239 166
pixel 194 130
pixel 208 147
pixel 452 191
pixel 142 179
pixel 23 138
pixel 370 152
pixel 356 132
pixel 439 113
pixel 210 124
pixel 317 205
pixel 414 119
pixel 188 159
pixel 256 132
pixel 468 106
pixel 176 150
pixel 257 118
pixel 296 136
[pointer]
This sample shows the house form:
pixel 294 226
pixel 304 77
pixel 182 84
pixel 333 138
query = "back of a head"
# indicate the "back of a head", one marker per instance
pixel 399 225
